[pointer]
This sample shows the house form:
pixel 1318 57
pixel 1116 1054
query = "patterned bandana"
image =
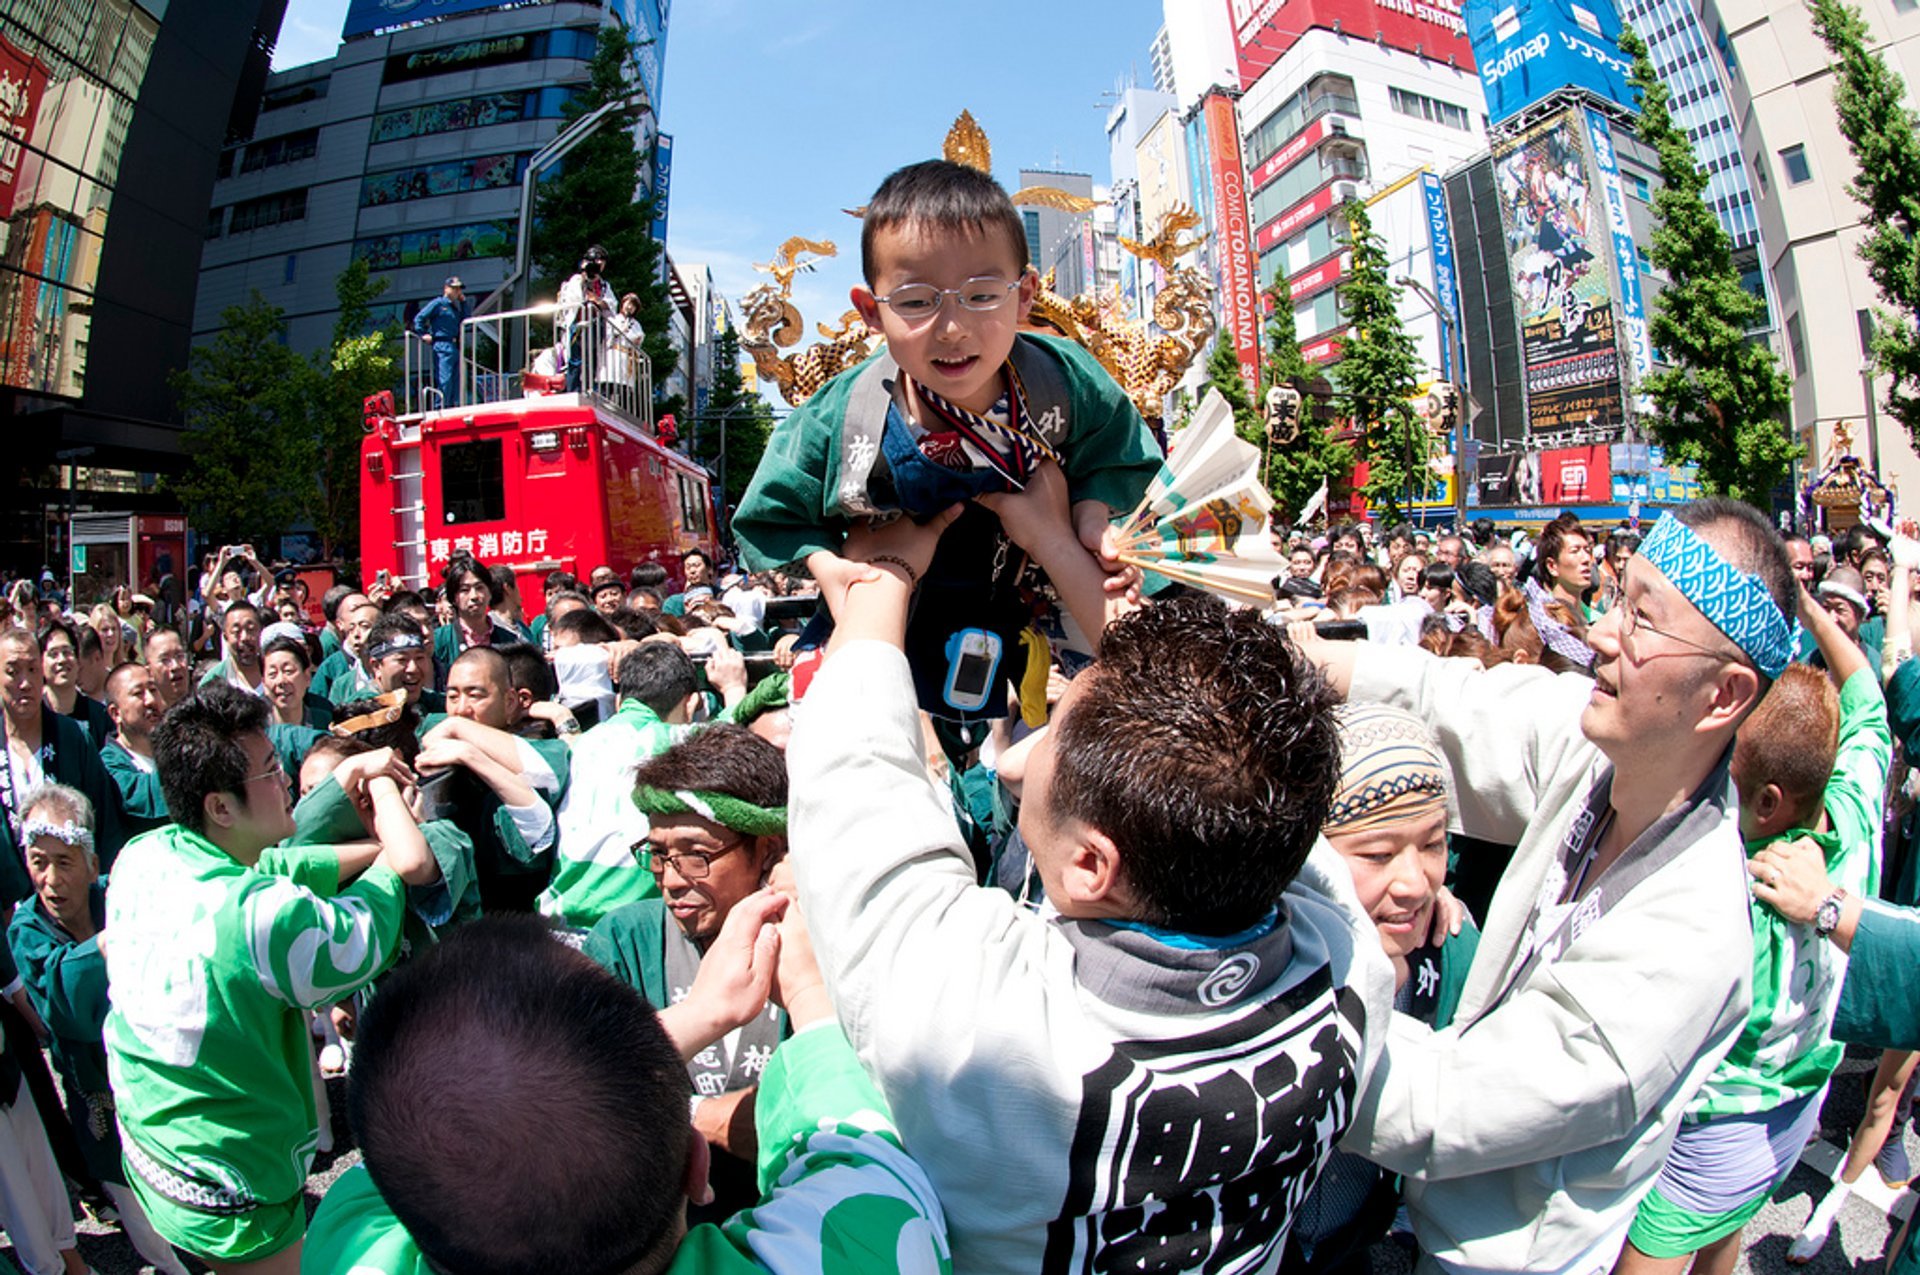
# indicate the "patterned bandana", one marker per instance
pixel 1555 635
pixel 397 642
pixel 1015 448
pixel 67 832
pixel 1390 770
pixel 1735 601
pixel 729 812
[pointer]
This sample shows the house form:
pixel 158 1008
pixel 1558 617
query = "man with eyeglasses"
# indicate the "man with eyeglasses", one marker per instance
pixel 1530 1129
pixel 961 403
pixel 172 668
pixel 219 942
pixel 716 808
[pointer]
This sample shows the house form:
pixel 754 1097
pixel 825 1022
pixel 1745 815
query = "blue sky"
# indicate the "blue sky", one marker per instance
pixel 783 117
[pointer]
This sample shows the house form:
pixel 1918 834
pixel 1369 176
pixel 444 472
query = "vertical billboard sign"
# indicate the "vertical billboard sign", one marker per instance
pixel 1527 49
pixel 1446 288
pixel 23 81
pixel 1563 298
pixel 1232 241
pixel 662 184
pixel 1626 257
pixel 647 26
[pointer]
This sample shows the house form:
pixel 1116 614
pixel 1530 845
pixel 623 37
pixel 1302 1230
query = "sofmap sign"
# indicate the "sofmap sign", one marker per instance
pixel 1526 49
pixel 1433 198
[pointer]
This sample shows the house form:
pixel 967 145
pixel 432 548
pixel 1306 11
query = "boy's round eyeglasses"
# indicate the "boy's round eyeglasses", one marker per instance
pixel 913 301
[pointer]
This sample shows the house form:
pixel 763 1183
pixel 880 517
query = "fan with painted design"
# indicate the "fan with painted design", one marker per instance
pixel 1204 520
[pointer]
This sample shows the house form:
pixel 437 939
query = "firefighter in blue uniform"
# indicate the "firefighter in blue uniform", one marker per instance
pixel 438 323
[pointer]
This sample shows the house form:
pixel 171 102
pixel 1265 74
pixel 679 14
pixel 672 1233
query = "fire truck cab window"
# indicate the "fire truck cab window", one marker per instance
pixel 473 484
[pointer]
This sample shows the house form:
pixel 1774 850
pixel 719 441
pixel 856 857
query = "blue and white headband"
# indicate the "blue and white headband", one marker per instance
pixel 1734 601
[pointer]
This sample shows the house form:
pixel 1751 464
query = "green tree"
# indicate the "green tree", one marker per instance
pixel 590 200
pixel 250 438
pixel 1377 375
pixel 1281 362
pixel 360 360
pixel 1296 467
pixel 1722 401
pixel 1884 133
pixel 1223 374
pixel 742 419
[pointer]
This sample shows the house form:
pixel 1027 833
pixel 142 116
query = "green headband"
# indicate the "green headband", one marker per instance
pixel 727 811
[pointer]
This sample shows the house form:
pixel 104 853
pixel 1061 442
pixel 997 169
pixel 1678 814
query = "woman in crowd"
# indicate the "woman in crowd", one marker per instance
pixel 60 665
pixel 1389 822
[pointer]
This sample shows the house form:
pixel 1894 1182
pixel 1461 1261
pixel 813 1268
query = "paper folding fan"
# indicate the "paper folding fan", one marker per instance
pixel 1204 520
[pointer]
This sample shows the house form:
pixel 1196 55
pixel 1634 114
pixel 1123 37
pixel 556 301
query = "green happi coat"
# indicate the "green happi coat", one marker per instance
pixel 1785 1051
pixel 214 966
pixel 67 982
pixel 326 817
pixel 838 1194
pixel 792 507
pixel 143 806
pixel 594 867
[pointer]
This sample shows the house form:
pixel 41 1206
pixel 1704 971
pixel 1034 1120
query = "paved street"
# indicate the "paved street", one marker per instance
pixel 1857 1245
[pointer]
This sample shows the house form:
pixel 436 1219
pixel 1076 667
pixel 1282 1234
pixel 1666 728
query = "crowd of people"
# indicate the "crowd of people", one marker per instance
pixel 1510 898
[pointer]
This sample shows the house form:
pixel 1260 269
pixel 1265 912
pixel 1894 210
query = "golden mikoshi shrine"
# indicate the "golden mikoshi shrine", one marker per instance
pixel 1147 360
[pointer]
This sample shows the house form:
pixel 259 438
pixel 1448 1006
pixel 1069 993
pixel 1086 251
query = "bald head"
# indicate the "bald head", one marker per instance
pixel 480 688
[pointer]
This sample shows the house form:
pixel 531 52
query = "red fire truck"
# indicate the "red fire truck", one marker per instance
pixel 524 472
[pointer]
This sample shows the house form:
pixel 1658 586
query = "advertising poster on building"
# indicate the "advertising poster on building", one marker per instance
pixel 23 81
pixel 1446 289
pixel 1558 248
pixel 1626 257
pixel 647 24
pixel 437 246
pixel 1265 29
pixel 1507 478
pixel 1527 49
pixel 662 186
pixel 1237 273
pixel 450 177
pixel 1574 475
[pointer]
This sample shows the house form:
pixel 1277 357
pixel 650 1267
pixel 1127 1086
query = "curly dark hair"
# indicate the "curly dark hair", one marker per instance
pixel 1205 747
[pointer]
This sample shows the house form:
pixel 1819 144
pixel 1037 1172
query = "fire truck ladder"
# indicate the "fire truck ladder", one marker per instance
pixel 410 508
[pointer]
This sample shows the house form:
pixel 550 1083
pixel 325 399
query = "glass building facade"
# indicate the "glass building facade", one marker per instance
pixel 69 73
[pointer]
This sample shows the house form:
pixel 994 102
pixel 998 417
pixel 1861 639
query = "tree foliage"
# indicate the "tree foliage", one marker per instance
pixel 743 420
pixel 248 402
pixel 1223 374
pixel 1722 401
pixel 591 200
pixel 1378 373
pixel 1297 466
pixel 360 360
pixel 1884 133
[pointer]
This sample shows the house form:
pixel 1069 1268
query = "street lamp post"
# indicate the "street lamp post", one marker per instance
pixel 1453 348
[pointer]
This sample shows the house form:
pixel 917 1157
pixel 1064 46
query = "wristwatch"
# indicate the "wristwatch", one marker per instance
pixel 1826 917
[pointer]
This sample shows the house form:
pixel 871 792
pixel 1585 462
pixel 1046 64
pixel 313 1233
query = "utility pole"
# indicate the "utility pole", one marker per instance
pixel 1453 347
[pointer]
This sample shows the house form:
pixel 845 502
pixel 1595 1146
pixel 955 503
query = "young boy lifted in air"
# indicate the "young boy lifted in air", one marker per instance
pixel 960 403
